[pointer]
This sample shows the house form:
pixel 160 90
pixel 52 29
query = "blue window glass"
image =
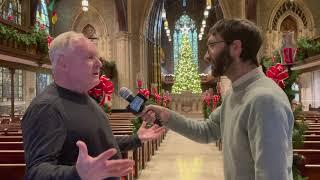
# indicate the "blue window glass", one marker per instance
pixel 43 80
pixel 42 16
pixel 11 10
pixel 185 25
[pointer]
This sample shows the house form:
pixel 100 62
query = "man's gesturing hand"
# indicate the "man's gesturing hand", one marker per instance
pixel 100 167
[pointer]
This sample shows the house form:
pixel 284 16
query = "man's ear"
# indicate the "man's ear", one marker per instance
pixel 61 63
pixel 236 48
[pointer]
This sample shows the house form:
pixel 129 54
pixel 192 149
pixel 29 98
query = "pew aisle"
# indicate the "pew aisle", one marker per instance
pixel 179 158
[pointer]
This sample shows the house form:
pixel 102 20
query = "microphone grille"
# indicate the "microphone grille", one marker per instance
pixel 125 92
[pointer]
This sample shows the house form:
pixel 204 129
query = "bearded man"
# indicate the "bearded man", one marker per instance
pixel 255 120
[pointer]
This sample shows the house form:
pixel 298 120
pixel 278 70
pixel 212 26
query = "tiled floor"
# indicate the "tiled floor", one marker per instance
pixel 179 158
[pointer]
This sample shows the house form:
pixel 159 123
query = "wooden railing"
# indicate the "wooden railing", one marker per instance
pixel 16 41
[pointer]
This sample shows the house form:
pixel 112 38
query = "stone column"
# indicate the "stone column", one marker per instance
pixel 30 87
pixel 12 71
pixel 123 65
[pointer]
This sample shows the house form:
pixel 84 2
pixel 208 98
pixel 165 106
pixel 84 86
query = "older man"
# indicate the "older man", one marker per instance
pixel 255 120
pixel 64 117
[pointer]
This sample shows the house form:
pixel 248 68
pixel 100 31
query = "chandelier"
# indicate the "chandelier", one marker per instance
pixel 85 5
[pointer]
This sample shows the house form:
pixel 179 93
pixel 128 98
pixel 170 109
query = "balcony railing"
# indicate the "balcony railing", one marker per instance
pixel 22 43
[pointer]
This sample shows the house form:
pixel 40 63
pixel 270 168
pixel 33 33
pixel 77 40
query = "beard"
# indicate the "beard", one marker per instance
pixel 221 63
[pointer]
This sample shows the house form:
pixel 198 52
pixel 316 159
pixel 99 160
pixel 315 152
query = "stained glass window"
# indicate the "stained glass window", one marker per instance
pixel 43 80
pixel 184 3
pixel 11 10
pixel 42 16
pixel 5 84
pixel 185 25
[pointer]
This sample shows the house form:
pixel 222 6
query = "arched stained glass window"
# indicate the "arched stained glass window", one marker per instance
pixel 185 25
pixel 11 10
pixel 43 80
pixel 5 84
pixel 42 16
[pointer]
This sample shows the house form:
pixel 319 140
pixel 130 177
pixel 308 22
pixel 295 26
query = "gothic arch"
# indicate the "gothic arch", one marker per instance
pixel 93 18
pixel 295 9
pixel 299 13
pixel 81 20
pixel 148 8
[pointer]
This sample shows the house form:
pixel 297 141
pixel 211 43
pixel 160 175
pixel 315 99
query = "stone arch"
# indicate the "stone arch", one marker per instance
pixel 93 19
pixel 283 9
pixel 296 9
pixel 148 8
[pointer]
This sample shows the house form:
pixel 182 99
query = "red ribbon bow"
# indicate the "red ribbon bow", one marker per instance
pixel 103 89
pixel 278 73
pixel 144 92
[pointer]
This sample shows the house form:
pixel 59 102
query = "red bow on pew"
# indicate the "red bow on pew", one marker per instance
pixel 278 73
pixel 103 89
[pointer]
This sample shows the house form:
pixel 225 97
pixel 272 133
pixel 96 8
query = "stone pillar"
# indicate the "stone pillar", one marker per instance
pixel 12 71
pixel 123 65
pixel 30 87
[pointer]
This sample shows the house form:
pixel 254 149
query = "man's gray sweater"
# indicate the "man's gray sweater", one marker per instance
pixel 255 123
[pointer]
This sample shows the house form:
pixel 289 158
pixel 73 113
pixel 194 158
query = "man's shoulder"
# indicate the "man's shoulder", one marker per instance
pixel 47 98
pixel 266 90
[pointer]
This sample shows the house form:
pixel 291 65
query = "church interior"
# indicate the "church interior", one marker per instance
pixel 157 48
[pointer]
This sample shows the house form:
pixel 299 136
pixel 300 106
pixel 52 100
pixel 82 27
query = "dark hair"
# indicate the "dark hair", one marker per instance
pixel 245 31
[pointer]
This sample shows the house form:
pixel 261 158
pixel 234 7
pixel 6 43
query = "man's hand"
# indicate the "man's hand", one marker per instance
pixel 149 114
pixel 146 134
pixel 100 167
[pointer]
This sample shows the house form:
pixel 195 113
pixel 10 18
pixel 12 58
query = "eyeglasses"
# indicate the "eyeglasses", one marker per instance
pixel 214 43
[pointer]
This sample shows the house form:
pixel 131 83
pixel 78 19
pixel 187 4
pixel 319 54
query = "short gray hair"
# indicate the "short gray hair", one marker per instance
pixel 61 43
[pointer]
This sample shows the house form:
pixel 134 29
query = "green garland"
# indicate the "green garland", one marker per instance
pixel 36 37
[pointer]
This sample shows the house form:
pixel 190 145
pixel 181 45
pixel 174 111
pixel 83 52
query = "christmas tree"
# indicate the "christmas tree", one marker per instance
pixel 186 75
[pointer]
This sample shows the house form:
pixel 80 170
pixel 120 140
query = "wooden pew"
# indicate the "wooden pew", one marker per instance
pixel 312 132
pixel 312 137
pixel 311 171
pixel 312 156
pixel 12 171
pixel 11 146
pixel 10 138
pixel 11 156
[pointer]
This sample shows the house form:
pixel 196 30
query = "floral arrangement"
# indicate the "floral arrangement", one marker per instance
pixel 102 92
pixel 211 101
pixel 153 97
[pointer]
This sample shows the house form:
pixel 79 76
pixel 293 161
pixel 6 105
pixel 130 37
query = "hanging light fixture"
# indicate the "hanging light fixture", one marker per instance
pixel 200 36
pixel 163 13
pixel 209 4
pixel 166 25
pixel 85 5
pixel 206 13
pixel 168 32
pixel 202 29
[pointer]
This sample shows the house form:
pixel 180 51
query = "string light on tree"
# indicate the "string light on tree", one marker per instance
pixel 186 75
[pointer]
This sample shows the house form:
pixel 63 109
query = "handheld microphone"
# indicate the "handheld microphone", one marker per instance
pixel 136 103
